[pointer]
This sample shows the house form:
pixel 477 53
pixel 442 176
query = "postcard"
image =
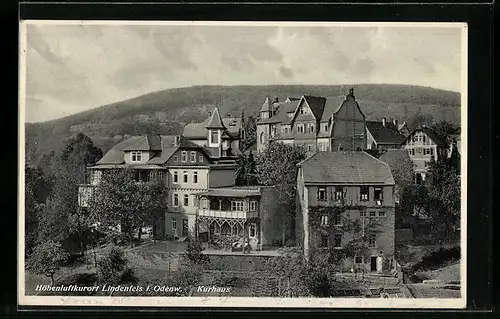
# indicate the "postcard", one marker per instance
pixel 242 164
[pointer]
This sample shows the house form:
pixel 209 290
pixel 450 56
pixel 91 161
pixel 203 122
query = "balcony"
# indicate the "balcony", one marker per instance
pixel 227 214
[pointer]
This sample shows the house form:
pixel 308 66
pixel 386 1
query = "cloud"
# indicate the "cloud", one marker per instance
pixel 72 68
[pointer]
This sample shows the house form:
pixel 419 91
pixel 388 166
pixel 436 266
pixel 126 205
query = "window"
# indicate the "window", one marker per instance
pixel 424 139
pixel 176 200
pixel 432 151
pixel 324 220
pixel 321 193
pixel 303 110
pixel 186 200
pixel 237 206
pixel 300 128
pixel 253 230
pixel 136 156
pixel 373 214
pixel 325 127
pixel 362 214
pixel 200 159
pixel 176 177
pixel 185 227
pixel 195 177
pixel 174 223
pixel 176 159
pixel 337 218
pixel 323 242
pixel 358 259
pixel 262 138
pixel 412 151
pixel 372 242
pixel 205 203
pixel 378 193
pixel 381 214
pixel 337 241
pixel 309 147
pixel 339 193
pixel 214 137
pixel 253 206
pixel 364 191
pixel 185 177
pixel 310 128
pixel 183 156
pixel 192 158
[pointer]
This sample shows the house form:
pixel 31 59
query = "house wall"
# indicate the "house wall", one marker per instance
pixel 307 197
pixel 127 156
pixel 352 196
pixel 416 151
pixel 323 141
pixel 269 218
pixel 349 128
pixel 222 177
pixel 310 144
pixel 263 130
pixel 176 158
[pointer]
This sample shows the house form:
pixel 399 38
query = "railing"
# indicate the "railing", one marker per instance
pixel 226 213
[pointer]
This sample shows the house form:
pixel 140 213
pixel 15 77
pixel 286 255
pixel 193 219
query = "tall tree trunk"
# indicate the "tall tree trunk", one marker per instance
pixel 139 235
pixel 52 279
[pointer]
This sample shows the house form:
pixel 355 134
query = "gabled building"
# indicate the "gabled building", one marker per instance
pixel 423 144
pixel 236 217
pixel 316 123
pixel 220 136
pixel 383 135
pixel 184 166
pixel 359 189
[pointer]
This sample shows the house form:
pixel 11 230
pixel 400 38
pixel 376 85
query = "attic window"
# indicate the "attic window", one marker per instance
pixel 136 156
pixel 325 127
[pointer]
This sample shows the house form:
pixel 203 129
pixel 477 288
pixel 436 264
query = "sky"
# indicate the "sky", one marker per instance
pixel 73 68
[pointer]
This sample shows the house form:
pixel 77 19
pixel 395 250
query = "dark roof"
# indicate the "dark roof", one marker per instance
pixel 394 156
pixel 215 120
pixel 282 108
pixel 166 143
pixel 387 134
pixel 432 135
pixel 345 167
pixel 331 106
pixel 199 130
pixel 317 105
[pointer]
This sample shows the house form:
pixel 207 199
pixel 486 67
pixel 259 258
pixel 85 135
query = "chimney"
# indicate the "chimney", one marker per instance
pixel 177 140
pixel 384 121
pixel 276 99
pixel 395 122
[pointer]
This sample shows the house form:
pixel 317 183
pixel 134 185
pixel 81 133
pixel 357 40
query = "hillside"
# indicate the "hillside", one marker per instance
pixel 169 110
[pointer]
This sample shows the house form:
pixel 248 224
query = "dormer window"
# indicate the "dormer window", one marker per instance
pixel 214 137
pixel 136 156
pixel 183 156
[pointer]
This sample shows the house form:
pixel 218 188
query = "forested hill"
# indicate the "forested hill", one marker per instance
pixel 169 110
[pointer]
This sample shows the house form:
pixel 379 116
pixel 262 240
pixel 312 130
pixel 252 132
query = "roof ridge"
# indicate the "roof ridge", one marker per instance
pixel 378 160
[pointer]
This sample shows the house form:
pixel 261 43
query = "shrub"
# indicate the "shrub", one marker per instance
pixel 47 258
pixel 112 268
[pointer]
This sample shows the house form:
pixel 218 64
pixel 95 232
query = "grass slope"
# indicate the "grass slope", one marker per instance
pixel 169 110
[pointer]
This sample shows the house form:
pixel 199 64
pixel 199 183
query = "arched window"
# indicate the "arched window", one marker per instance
pixel 262 138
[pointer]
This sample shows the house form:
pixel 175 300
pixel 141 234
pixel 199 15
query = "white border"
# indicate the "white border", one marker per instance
pixel 252 302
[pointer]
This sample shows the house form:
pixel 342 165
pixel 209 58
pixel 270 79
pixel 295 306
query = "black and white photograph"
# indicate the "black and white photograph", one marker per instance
pixel 242 164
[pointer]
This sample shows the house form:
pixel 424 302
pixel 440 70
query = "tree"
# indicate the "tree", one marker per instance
pixel 419 119
pixel 277 166
pixel 246 170
pixel 62 218
pixel 37 189
pixel 444 194
pixel 47 259
pixel 120 200
pixel 112 269
pixel 250 128
pixel 445 129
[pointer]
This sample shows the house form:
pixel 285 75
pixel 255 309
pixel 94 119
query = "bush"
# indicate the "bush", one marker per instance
pixel 47 258
pixel 112 268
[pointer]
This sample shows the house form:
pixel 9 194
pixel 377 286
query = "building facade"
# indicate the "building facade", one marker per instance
pixel 185 168
pixel 220 136
pixel 316 123
pixel 237 218
pixel 423 144
pixel 337 190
